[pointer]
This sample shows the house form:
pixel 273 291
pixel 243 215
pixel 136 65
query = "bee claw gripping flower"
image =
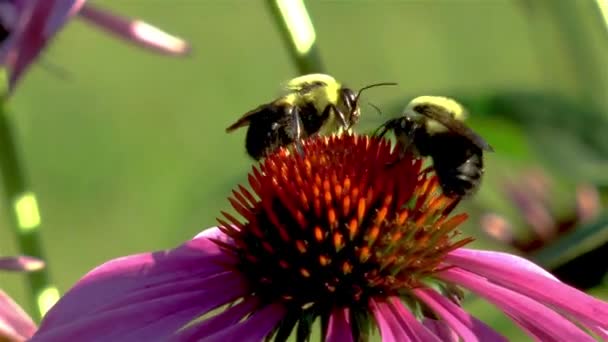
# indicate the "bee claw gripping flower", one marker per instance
pixel 26 27
pixel 349 234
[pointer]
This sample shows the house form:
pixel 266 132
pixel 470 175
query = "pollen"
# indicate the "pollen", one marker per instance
pixel 347 219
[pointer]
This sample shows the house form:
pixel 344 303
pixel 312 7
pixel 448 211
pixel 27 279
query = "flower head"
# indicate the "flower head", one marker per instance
pixel 532 196
pixel 350 233
pixel 15 324
pixel 27 26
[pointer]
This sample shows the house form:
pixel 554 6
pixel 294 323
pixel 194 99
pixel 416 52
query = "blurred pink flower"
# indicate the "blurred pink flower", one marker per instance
pixel 15 324
pixel 26 27
pixel 334 235
pixel 531 194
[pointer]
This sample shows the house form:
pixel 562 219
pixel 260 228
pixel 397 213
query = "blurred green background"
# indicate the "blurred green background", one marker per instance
pixel 127 150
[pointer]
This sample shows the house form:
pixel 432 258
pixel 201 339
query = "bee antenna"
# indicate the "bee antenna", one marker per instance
pixel 372 86
pixel 375 107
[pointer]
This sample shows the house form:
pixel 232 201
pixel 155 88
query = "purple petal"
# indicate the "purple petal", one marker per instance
pixel 60 13
pixel 25 41
pixel 135 31
pixel 217 323
pixel 339 327
pixel 518 306
pixel 467 326
pixel 419 332
pixel 391 329
pixel 148 293
pixel 20 263
pixel 255 328
pixel 15 324
pixel 8 15
pixel 441 330
pixel 529 279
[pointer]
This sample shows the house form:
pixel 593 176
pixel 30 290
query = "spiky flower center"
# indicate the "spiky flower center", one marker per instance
pixel 347 220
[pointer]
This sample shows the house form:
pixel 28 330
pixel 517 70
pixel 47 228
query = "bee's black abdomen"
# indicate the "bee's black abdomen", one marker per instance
pixel 267 131
pixel 458 164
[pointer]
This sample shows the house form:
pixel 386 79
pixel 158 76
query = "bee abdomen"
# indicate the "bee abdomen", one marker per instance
pixel 265 135
pixel 460 180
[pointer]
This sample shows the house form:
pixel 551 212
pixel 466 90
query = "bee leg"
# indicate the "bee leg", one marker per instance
pixel 448 210
pixel 381 131
pixel 342 118
pixel 297 129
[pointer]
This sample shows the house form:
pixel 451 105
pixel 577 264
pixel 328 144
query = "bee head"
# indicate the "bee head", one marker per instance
pixel 351 100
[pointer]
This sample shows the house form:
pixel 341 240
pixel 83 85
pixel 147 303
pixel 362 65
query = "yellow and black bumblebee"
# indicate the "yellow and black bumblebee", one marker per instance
pixel 311 104
pixel 433 126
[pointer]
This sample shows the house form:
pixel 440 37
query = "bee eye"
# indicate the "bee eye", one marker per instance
pixel 349 98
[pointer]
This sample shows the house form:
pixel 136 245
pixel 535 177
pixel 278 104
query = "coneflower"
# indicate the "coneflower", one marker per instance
pixel 26 27
pixel 532 195
pixel 350 234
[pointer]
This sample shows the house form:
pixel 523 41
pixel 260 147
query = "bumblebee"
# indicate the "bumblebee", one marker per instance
pixel 311 104
pixel 433 126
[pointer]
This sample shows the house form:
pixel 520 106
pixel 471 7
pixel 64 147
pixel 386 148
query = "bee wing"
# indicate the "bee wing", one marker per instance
pixel 459 127
pixel 246 118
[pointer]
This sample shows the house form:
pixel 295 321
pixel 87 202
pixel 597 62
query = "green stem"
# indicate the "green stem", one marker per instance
pixel 298 33
pixel 23 216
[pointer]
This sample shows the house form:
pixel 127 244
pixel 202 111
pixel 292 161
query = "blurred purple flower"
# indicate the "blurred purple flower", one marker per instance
pixel 26 27
pixel 333 235
pixel 15 324
pixel 532 196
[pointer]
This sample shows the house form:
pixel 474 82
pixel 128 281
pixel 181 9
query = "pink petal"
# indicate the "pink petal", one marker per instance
pixel 339 327
pixel 15 324
pixel 391 329
pixel 25 41
pixel 441 330
pixel 135 31
pixel 255 328
pixel 217 323
pixel 419 332
pixel 526 278
pixel 8 15
pixel 467 326
pixel 518 306
pixel 20 263
pixel 148 293
pixel 60 13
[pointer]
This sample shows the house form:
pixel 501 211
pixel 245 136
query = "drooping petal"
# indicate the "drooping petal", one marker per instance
pixel 525 277
pixel 391 329
pixel 441 330
pixel 419 331
pixel 219 322
pixel 25 41
pixel 8 15
pixel 339 327
pixel 254 328
pixel 518 306
pixel 467 326
pixel 36 23
pixel 135 31
pixel 60 13
pixel 15 324
pixel 150 293
pixel 20 263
